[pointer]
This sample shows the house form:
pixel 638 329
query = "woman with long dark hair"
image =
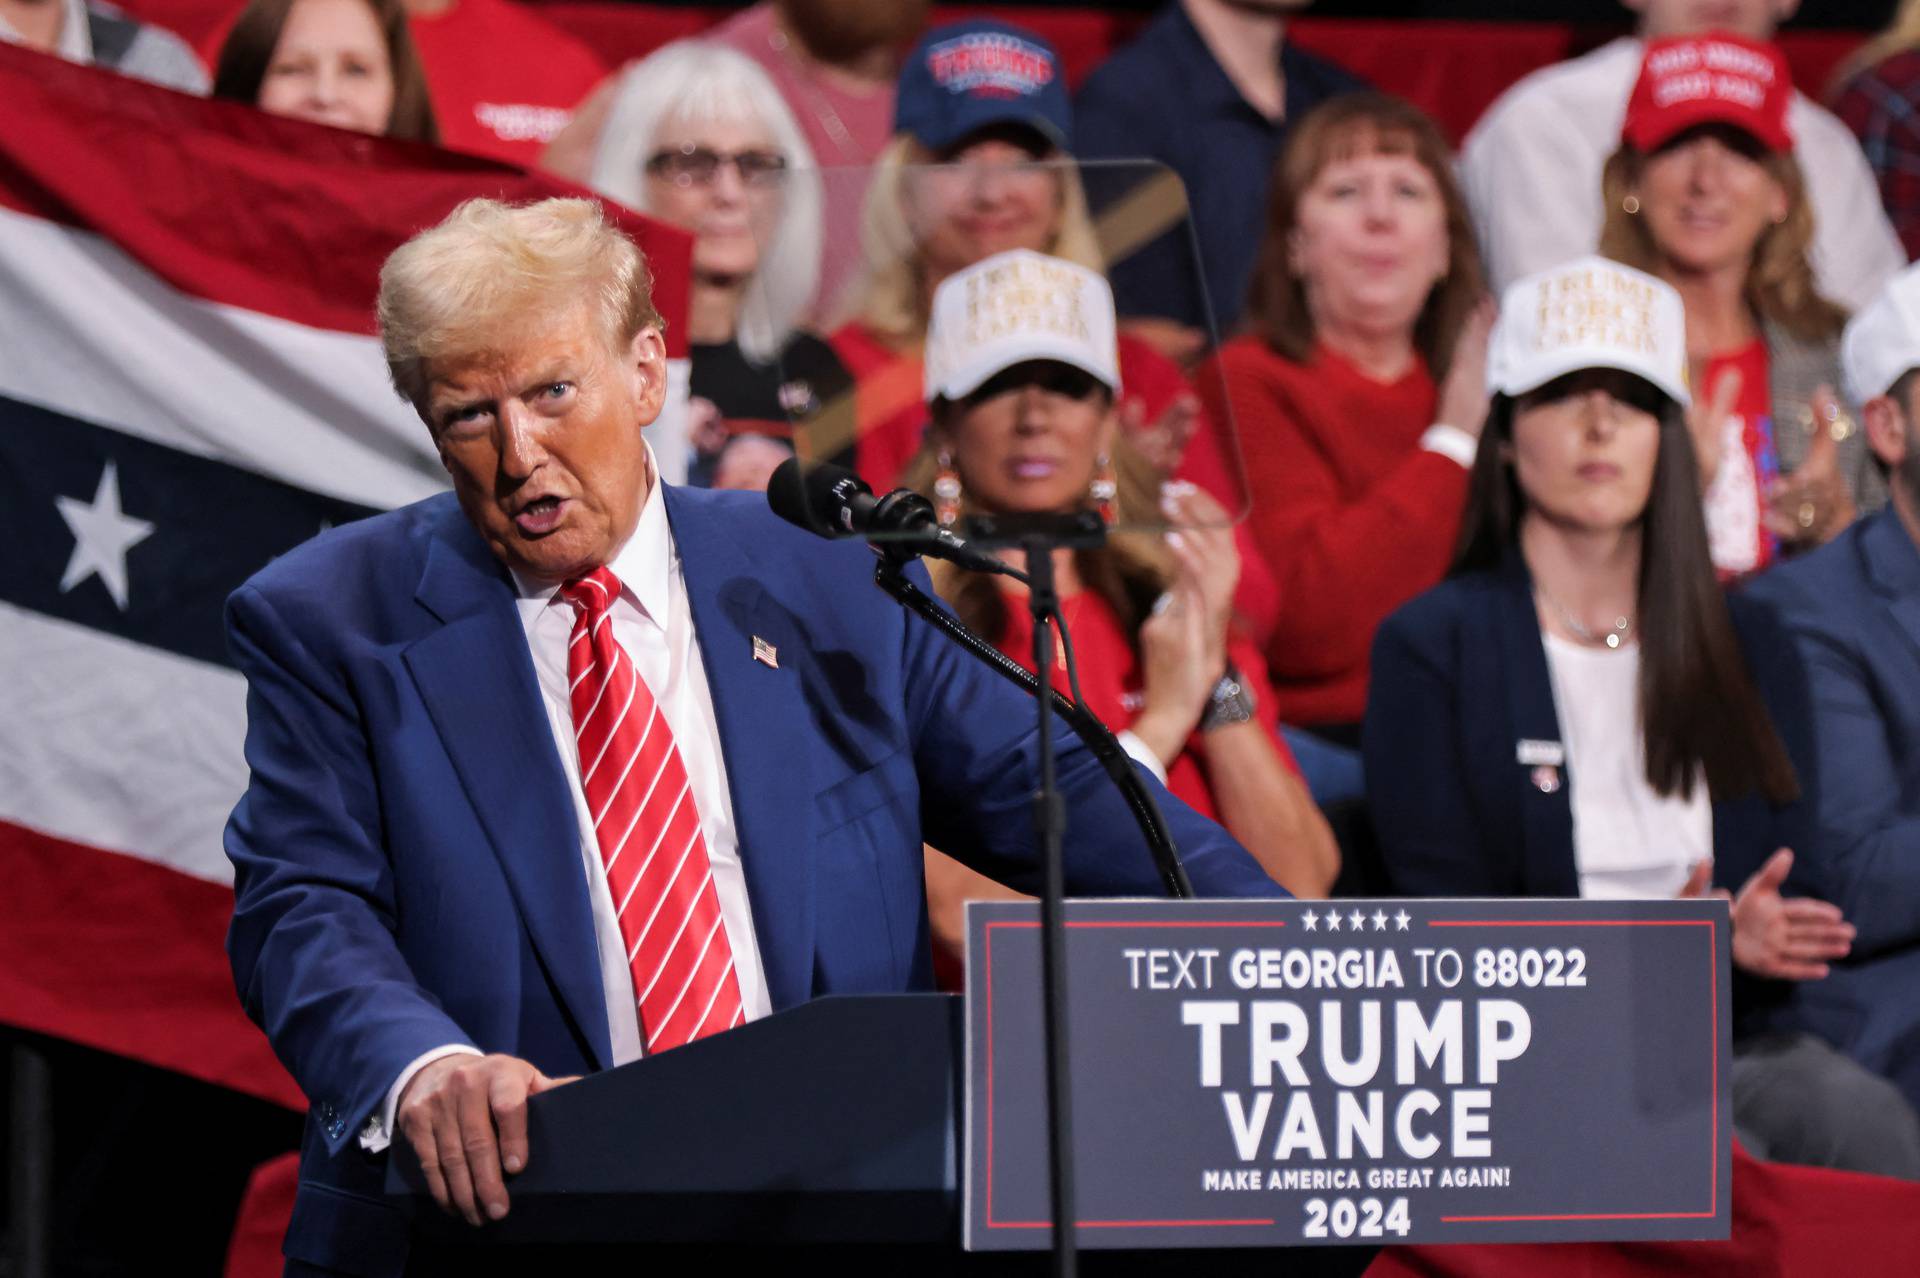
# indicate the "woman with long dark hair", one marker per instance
pixel 348 63
pixel 1579 711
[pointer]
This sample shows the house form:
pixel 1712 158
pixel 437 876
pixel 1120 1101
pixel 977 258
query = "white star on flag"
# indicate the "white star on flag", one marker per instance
pixel 1311 922
pixel 102 536
pixel 1400 920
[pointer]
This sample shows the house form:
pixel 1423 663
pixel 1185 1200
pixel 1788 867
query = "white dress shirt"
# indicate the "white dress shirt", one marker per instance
pixel 653 621
pixel 1629 842
pixel 1531 172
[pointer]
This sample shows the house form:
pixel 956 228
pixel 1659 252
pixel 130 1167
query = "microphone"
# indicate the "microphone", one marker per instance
pixel 832 501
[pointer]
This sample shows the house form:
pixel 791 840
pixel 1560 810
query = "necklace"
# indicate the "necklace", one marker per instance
pixel 1617 635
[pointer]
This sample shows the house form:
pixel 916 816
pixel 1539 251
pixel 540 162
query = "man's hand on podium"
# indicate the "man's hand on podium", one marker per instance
pixel 466 1117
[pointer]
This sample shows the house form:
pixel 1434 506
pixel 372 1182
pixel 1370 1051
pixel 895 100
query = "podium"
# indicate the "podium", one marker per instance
pixel 836 1122
pixel 834 1128
pixel 1283 1084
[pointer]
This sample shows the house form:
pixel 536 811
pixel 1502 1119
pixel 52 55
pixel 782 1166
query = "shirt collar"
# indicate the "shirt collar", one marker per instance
pixel 76 38
pixel 642 564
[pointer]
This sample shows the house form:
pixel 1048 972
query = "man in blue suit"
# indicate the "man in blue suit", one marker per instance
pixel 434 917
pixel 1853 607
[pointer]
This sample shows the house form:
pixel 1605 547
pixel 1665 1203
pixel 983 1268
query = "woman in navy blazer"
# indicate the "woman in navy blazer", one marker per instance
pixel 1583 637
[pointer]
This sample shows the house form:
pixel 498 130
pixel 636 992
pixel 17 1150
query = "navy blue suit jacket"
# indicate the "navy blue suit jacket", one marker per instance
pixel 1459 679
pixel 1853 608
pixel 407 864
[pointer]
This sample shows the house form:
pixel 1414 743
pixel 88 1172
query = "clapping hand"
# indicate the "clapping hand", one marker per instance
pixel 1162 441
pixel 1183 644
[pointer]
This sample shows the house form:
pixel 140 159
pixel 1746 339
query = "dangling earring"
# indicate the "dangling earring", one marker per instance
pixel 946 491
pixel 1630 205
pixel 1103 489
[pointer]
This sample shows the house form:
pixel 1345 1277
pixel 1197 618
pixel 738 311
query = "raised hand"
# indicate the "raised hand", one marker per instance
pixel 1707 422
pixel 1463 395
pixel 1812 505
pixel 1787 938
pixel 1177 674
pixel 1162 441
pixel 1202 543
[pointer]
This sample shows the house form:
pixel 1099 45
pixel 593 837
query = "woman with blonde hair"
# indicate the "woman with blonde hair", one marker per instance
pixel 1705 193
pixel 980 164
pixel 1021 376
pixel 698 135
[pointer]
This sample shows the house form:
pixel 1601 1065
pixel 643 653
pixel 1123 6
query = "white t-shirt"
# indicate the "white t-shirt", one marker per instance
pixel 1628 841
pixel 1531 171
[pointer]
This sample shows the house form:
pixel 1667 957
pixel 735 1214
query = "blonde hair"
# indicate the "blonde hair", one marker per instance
pixel 1901 34
pixel 491 268
pixel 696 82
pixel 1780 284
pixel 890 299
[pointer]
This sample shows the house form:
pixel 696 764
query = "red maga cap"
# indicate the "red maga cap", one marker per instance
pixel 1710 79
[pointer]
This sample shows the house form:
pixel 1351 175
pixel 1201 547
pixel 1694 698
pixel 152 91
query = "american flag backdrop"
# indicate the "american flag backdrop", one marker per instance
pixel 189 386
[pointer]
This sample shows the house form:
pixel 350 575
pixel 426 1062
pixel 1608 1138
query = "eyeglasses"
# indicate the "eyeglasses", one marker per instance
pixel 700 166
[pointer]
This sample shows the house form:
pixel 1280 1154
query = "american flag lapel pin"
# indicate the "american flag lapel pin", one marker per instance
pixel 766 653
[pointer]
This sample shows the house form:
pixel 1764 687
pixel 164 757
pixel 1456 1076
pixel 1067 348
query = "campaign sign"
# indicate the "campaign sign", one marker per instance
pixel 1272 1073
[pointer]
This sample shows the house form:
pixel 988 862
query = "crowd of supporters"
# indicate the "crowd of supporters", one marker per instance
pixel 1623 625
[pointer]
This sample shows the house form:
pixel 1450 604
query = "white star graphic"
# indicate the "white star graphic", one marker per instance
pixel 1359 920
pixel 1311 922
pixel 1379 920
pixel 1333 920
pixel 102 536
pixel 1400 920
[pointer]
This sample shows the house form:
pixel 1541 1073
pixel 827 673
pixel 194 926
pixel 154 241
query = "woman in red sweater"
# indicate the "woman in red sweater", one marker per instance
pixel 1021 379
pixel 1358 394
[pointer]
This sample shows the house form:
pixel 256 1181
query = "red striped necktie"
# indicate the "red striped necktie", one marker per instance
pixel 648 828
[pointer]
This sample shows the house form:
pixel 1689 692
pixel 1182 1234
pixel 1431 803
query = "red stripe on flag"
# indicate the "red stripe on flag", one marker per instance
pixel 235 206
pixel 129 957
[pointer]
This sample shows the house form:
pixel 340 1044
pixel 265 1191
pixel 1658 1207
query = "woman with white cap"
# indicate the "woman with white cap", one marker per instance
pixel 981 162
pixel 1021 376
pixel 1580 711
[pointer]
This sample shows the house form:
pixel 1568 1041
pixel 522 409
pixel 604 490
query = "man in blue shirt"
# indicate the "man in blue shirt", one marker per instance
pixel 1853 607
pixel 1208 89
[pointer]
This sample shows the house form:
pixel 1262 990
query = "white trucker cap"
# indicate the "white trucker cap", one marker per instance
pixel 1014 307
pixel 1883 341
pixel 1588 313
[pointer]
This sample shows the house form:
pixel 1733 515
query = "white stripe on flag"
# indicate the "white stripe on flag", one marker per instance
pixel 89 332
pixel 110 743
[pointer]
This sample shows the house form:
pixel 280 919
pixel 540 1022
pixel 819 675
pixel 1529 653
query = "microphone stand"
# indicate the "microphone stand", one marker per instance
pixel 1039 536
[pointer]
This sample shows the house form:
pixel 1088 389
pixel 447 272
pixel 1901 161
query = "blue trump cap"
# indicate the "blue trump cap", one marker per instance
pixel 968 75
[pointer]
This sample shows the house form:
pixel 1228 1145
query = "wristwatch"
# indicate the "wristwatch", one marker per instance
pixel 1230 702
